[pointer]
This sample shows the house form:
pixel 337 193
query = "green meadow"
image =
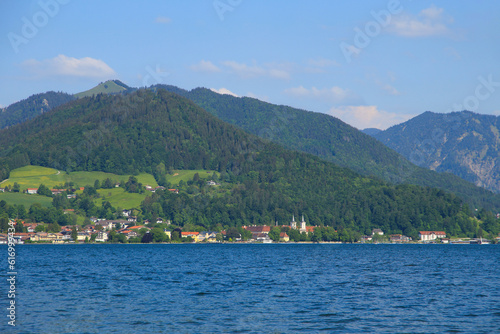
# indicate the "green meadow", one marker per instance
pixel 186 175
pixel 33 176
pixel 25 199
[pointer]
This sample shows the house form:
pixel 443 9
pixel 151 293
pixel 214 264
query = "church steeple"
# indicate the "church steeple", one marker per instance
pixel 293 224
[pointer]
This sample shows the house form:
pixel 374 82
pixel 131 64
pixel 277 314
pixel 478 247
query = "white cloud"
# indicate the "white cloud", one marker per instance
pixel 163 20
pixel 205 66
pixel 223 91
pixel 363 117
pixel 429 22
pixel 334 94
pixel 68 66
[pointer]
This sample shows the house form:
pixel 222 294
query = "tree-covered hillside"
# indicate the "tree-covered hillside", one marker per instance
pixel 31 107
pixel 330 139
pixel 261 182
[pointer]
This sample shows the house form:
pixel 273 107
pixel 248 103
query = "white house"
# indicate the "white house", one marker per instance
pixel 431 235
pixel 101 236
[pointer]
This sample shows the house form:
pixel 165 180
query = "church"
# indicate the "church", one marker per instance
pixel 303 227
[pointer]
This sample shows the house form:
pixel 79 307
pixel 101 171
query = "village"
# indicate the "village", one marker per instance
pixel 128 231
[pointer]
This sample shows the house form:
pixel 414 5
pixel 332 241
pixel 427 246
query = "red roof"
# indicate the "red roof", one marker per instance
pixel 258 229
pixel 190 233
pixel 136 227
pixel 432 232
pixel 283 235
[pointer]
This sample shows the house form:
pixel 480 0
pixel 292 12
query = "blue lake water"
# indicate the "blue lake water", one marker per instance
pixel 291 288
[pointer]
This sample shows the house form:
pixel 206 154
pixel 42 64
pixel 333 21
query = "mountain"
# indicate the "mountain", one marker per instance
pixel 31 107
pixel 261 182
pixel 371 131
pixel 329 138
pixel 108 87
pixel 463 143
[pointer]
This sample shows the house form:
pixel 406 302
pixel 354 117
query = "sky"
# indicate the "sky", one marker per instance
pixel 369 63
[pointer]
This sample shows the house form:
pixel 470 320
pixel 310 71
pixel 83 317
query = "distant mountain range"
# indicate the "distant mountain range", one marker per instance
pixel 463 143
pixel 315 133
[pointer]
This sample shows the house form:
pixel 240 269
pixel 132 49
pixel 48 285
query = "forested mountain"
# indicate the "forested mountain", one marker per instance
pixel 330 139
pixel 463 143
pixel 31 107
pixel 260 182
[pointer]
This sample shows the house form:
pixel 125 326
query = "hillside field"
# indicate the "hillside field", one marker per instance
pixel 33 176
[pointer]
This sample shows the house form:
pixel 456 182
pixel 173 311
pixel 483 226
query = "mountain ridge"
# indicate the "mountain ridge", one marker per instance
pixel 464 143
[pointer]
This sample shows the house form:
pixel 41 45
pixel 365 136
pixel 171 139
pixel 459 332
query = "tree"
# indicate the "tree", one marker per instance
pixel 274 234
pixel 44 191
pixel 74 233
pixel 147 238
pixel 16 188
pixel 158 235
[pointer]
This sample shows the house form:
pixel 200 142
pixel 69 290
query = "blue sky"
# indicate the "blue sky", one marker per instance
pixel 369 63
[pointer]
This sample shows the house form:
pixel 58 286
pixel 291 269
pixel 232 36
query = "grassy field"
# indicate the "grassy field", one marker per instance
pixel 121 199
pixel 25 199
pixel 186 175
pixel 33 176
pixel 105 87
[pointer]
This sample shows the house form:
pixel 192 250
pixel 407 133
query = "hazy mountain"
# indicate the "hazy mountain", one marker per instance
pixel 31 107
pixel 463 143
pixel 371 131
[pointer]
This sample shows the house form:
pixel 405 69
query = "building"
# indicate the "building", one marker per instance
pixel 377 231
pixel 284 237
pixel 431 235
pixel 193 235
pixel 399 238
pixel 101 236
pixel 32 190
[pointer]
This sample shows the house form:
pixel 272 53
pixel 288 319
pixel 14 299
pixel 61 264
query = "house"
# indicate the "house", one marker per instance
pixel 377 231
pixel 175 191
pixel 57 191
pixel 168 233
pixel 149 188
pixel 132 219
pixel 70 196
pixel 81 236
pixel 32 190
pixel 66 211
pixel 208 237
pixel 194 235
pixel 211 183
pixel 126 213
pixel 399 238
pixel 431 235
pixel 47 237
pixel 2 190
pixel 284 237
pixel 258 231
pixel 101 236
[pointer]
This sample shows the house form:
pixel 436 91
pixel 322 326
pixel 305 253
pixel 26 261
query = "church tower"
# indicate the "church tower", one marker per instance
pixel 303 225
pixel 293 224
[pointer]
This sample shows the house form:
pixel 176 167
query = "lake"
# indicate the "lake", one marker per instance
pixel 275 288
